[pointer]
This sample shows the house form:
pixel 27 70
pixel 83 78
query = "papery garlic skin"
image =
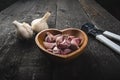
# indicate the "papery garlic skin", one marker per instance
pixel 28 29
pixel 24 30
pixel 41 23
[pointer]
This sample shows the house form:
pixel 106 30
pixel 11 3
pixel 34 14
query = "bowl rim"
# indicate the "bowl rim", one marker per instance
pixel 67 55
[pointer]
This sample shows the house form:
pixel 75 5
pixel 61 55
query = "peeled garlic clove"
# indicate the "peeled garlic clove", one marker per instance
pixel 23 30
pixel 41 23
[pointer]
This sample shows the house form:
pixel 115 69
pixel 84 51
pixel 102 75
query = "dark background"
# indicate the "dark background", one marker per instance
pixel 5 3
pixel 112 6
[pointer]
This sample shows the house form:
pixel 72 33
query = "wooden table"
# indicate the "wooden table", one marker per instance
pixel 22 60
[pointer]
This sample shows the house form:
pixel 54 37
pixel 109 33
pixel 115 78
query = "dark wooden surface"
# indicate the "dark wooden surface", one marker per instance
pixel 4 4
pixel 22 60
pixel 113 7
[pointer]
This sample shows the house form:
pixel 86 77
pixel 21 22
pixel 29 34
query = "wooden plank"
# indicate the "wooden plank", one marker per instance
pixel 108 60
pixel 24 55
pixel 70 13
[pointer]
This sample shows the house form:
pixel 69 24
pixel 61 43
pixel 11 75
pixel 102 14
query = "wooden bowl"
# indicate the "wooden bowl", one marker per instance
pixel 71 31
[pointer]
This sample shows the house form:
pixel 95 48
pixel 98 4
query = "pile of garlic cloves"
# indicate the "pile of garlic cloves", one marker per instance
pixel 61 43
pixel 26 31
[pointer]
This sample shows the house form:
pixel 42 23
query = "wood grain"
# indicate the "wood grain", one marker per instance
pixel 22 60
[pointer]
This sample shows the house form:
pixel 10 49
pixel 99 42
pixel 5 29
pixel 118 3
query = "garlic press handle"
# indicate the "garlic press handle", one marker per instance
pixel 109 43
pixel 111 35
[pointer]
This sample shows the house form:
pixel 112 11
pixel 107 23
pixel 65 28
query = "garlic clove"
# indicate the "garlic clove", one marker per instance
pixel 64 44
pixel 59 39
pixel 50 50
pixel 56 50
pixel 23 30
pixel 70 37
pixel 41 23
pixel 75 42
pixel 66 51
pixel 49 45
pixel 58 35
pixel 50 37
pixel 73 47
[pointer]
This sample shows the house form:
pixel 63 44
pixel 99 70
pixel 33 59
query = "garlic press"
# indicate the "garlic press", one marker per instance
pixel 101 35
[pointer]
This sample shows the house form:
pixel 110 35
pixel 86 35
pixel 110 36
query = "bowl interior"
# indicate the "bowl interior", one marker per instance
pixel 70 31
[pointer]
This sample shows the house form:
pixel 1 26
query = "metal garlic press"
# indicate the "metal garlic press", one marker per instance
pixel 101 35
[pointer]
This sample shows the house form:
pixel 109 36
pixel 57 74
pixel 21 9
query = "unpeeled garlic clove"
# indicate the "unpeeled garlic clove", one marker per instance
pixel 66 51
pixel 23 30
pixel 50 37
pixel 49 45
pixel 59 39
pixel 56 50
pixel 64 44
pixel 41 23
pixel 76 42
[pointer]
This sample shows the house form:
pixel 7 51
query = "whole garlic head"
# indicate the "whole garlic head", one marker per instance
pixel 24 30
pixel 41 23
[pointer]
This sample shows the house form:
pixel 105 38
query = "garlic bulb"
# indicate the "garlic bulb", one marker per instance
pixel 41 23
pixel 24 30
